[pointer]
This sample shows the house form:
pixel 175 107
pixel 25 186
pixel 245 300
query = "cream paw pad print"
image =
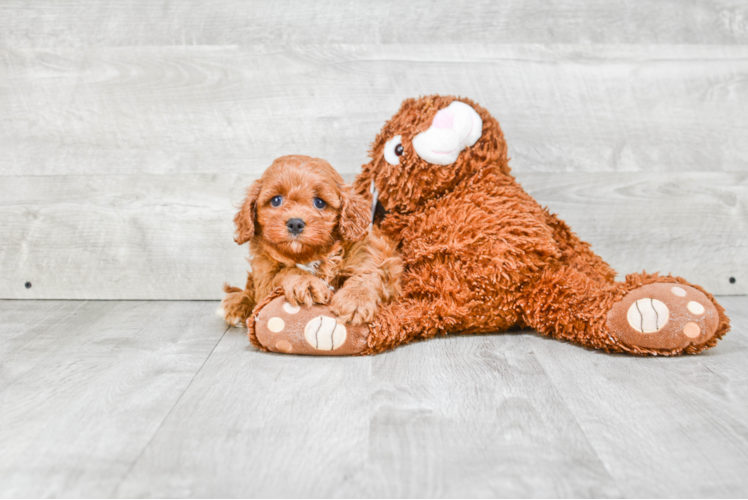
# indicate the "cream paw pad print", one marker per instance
pixel 663 316
pixel 282 327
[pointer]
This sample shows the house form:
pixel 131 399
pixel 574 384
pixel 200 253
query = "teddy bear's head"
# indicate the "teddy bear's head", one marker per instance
pixel 431 145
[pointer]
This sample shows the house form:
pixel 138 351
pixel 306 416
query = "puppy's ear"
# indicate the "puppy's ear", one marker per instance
pixel 246 219
pixel 355 214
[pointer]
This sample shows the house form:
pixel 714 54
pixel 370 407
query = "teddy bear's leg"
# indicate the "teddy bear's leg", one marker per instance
pixel 646 314
pixel 277 325
pixel 407 319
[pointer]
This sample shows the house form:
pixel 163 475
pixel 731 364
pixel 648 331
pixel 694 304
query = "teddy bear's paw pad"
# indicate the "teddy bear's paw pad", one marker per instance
pixel 282 327
pixel 325 333
pixel 663 316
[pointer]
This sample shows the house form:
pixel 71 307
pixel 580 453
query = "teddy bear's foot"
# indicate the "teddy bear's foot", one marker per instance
pixel 664 317
pixel 282 327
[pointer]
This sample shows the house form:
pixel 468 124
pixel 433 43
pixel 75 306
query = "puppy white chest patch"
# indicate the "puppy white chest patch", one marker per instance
pixel 310 267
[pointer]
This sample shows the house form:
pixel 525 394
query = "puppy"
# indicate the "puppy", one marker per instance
pixel 309 234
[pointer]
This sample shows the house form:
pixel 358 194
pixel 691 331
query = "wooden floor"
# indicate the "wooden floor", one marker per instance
pixel 141 399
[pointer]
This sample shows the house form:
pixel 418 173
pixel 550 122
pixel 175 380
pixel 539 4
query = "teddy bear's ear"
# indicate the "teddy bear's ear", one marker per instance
pixel 246 219
pixel 354 215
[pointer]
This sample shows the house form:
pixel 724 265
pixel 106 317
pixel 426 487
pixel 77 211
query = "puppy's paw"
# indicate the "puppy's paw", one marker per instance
pixel 354 306
pixel 306 290
pixel 235 308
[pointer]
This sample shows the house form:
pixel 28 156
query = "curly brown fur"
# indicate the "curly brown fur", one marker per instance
pixel 480 254
pixel 334 248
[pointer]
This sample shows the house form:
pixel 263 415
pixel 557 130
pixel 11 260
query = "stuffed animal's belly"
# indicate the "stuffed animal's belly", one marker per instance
pixel 478 295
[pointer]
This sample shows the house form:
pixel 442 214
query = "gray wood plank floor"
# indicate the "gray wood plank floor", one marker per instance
pixel 161 399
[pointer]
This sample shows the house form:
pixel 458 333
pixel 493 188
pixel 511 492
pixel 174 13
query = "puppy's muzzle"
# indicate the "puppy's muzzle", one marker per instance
pixel 295 226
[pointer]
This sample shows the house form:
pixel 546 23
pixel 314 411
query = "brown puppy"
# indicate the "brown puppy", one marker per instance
pixel 309 234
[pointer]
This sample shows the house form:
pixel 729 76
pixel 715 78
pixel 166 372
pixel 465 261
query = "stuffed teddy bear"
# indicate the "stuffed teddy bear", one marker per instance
pixel 481 255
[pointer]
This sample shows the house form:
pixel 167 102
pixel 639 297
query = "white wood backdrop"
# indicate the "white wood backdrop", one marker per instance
pixel 128 130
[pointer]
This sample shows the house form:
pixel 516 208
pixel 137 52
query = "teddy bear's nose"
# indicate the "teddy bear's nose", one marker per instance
pixel 295 226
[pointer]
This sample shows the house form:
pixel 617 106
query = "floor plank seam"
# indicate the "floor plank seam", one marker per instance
pixel 706 366
pixel 579 426
pixel 115 491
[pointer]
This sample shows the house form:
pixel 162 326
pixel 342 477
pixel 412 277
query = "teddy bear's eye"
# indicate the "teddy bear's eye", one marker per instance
pixel 319 203
pixel 276 201
pixel 393 150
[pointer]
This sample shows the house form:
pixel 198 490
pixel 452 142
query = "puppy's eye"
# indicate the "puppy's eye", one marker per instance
pixel 393 150
pixel 276 201
pixel 319 203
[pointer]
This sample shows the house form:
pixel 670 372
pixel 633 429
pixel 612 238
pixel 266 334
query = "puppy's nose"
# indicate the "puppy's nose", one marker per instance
pixel 295 226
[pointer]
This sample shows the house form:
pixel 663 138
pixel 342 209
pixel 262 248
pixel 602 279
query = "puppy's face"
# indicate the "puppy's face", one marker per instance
pixel 299 208
pixel 431 145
